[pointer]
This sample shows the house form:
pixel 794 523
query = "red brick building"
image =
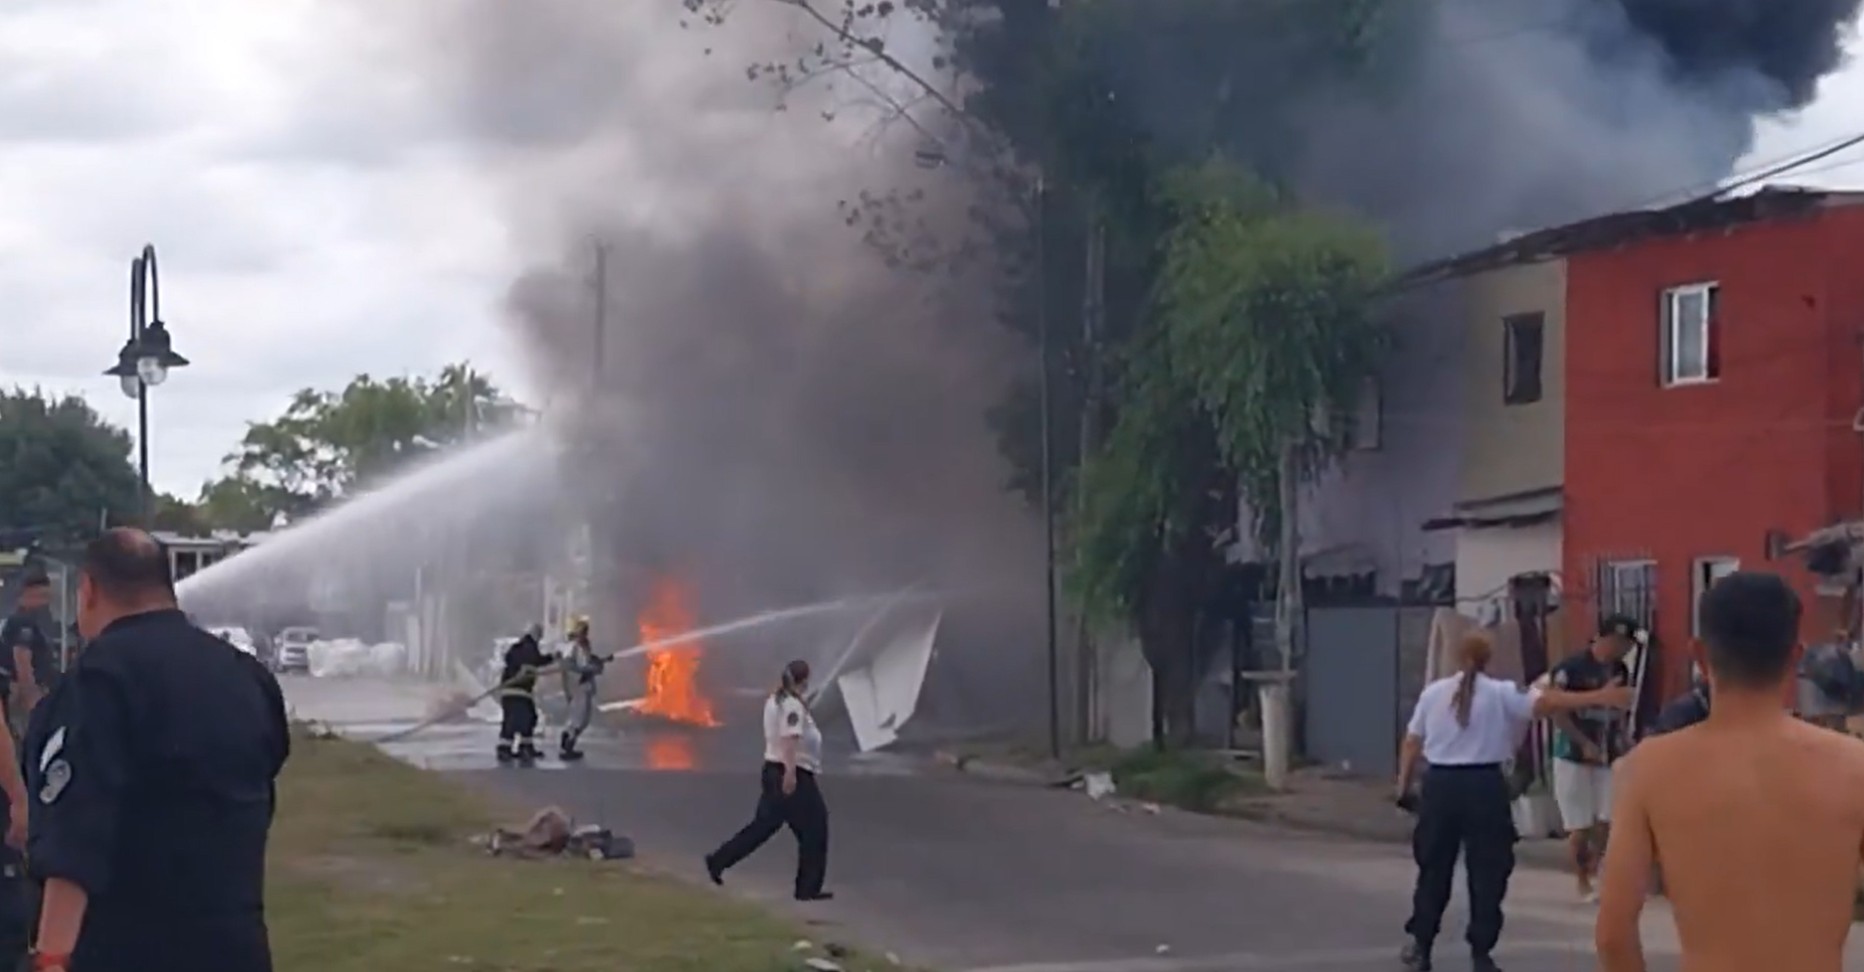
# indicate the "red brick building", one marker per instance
pixel 1714 357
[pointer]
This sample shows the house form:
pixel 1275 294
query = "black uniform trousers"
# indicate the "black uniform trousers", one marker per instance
pixel 517 717
pixel 804 812
pixel 1462 808
pixel 19 910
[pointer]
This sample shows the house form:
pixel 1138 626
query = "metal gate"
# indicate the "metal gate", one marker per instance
pixel 1351 674
pixel 1628 586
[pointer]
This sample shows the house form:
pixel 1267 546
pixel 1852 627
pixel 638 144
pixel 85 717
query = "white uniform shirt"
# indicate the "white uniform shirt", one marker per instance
pixel 1499 714
pixel 786 717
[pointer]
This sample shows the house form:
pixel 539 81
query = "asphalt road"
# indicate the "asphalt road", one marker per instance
pixel 968 876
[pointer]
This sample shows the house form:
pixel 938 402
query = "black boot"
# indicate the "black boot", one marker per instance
pixel 505 755
pixel 1416 956
pixel 1481 962
pixel 567 748
pixel 528 752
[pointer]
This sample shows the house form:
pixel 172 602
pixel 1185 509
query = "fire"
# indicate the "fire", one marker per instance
pixel 672 668
pixel 671 751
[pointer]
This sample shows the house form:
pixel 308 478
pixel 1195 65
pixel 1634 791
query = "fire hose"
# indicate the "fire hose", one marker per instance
pixel 452 710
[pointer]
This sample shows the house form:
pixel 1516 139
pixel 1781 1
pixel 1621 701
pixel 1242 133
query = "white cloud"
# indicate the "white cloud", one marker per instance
pixel 1832 117
pixel 310 219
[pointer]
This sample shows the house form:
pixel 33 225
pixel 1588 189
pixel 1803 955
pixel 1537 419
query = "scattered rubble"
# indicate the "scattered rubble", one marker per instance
pixel 553 833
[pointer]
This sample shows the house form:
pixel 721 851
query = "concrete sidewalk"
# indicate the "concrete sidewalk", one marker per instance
pixel 1316 801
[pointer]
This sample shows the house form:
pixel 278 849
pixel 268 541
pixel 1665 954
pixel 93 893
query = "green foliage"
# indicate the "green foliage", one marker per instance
pixel 1264 320
pixel 1134 510
pixel 1189 780
pixel 327 444
pixel 63 470
pixel 1270 315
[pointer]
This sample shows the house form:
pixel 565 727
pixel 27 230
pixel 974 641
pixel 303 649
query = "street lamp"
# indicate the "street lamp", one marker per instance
pixel 146 357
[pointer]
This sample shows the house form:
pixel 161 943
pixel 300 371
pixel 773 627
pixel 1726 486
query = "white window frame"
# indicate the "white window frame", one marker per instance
pixel 1703 573
pixel 1677 373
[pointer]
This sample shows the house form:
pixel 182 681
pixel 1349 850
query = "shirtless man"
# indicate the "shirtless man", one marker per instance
pixel 1755 818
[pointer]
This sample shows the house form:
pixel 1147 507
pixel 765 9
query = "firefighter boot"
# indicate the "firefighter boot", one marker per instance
pixel 505 755
pixel 528 752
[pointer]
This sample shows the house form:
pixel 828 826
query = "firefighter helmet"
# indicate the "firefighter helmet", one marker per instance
pixel 579 626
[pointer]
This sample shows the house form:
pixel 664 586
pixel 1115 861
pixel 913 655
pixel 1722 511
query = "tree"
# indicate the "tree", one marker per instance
pixel 178 516
pixel 328 444
pixel 64 471
pixel 1270 312
pixel 1156 505
pixel 1094 100
pixel 1265 336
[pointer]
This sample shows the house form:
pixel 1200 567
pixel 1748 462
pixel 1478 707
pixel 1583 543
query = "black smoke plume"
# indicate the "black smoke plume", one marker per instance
pixel 788 418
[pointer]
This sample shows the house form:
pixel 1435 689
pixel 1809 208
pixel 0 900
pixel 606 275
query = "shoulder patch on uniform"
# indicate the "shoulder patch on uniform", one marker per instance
pixel 1560 678
pixel 794 717
pixel 53 747
pixel 57 778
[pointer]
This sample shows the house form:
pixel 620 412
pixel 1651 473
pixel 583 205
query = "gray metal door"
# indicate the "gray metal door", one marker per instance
pixel 1351 669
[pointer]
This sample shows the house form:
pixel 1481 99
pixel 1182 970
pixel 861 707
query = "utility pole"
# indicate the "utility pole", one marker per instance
pixel 1048 466
pixel 1093 313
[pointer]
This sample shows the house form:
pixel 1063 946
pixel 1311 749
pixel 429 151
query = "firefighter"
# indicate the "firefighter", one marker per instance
pixel 517 697
pixel 581 668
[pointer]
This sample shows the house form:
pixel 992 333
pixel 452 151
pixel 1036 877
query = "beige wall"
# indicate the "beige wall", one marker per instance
pixel 1514 448
pixel 1487 558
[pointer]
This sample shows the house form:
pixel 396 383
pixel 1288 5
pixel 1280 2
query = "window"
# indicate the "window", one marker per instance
pixel 1689 335
pixel 1707 571
pixel 1357 423
pixel 1521 354
pixel 1368 429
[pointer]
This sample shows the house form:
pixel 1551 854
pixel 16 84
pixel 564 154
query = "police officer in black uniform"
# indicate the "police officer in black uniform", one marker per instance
pixel 150 771
pixel 1464 728
pixel 517 697
pixel 25 651
pixel 16 896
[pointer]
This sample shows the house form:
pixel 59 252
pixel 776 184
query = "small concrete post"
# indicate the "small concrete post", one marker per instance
pixel 1275 692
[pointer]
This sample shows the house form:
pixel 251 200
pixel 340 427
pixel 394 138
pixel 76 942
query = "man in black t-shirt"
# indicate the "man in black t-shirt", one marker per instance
pixel 1588 742
pixel 25 652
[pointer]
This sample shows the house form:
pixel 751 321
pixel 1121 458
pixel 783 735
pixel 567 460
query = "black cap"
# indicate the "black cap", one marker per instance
pixel 35 576
pixel 1620 625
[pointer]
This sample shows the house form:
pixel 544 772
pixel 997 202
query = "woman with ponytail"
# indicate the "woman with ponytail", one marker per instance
pixel 788 793
pixel 1465 727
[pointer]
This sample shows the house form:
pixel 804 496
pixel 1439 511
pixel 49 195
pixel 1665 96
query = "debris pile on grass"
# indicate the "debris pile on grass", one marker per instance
pixel 553 833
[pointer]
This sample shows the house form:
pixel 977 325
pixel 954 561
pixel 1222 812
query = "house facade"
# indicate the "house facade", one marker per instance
pixel 1505 520
pixel 1714 374
pixel 1361 520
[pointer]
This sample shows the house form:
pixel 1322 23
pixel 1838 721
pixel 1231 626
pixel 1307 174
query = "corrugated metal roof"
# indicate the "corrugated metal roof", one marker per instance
pixel 1711 212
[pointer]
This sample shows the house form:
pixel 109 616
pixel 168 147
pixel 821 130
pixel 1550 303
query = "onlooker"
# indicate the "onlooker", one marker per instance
pixel 1587 743
pixel 151 770
pixel 25 652
pixel 1760 815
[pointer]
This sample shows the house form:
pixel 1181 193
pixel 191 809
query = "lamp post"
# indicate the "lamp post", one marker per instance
pixel 145 359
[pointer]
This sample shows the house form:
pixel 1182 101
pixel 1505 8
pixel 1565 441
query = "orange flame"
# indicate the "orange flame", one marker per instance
pixel 672 668
pixel 671 751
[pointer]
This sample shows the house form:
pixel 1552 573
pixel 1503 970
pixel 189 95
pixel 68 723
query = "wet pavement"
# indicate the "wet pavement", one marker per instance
pixel 966 875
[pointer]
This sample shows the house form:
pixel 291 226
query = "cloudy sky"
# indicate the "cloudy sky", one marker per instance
pixel 314 219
